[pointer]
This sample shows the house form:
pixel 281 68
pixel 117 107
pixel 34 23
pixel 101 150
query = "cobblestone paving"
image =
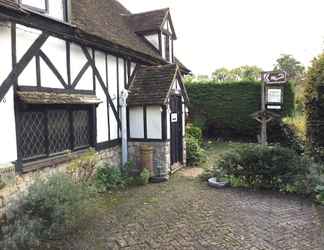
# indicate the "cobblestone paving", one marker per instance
pixel 186 214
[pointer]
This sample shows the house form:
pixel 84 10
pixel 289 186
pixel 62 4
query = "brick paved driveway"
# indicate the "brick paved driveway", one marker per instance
pixel 186 214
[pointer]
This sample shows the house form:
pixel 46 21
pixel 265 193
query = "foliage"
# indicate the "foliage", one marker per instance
pixel 289 64
pixel 82 169
pixel 142 179
pixel 320 194
pixel 224 109
pixel 267 167
pixel 298 125
pixel 195 152
pixel 51 208
pixel 243 73
pixel 109 178
pixel 314 101
pixel 194 132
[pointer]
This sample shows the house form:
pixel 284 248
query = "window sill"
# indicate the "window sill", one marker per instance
pixel 52 161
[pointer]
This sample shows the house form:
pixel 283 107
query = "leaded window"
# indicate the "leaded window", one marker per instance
pixel 47 130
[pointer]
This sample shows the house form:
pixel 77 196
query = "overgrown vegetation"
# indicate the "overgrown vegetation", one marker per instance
pixel 269 167
pixel 223 110
pixel 195 153
pixel 57 205
pixel 51 208
pixel 314 108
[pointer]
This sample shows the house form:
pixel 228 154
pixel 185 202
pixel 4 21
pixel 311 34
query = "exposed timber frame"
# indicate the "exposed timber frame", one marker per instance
pixel 23 62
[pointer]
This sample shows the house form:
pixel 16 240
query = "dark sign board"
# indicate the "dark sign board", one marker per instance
pixel 274 77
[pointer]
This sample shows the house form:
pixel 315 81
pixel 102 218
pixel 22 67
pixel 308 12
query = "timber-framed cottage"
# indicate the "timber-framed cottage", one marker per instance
pixel 64 66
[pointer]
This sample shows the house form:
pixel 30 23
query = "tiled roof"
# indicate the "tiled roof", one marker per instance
pixel 10 3
pixel 106 19
pixel 151 85
pixel 147 21
pixel 32 97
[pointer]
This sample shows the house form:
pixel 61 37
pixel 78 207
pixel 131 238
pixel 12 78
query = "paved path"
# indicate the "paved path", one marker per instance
pixel 186 214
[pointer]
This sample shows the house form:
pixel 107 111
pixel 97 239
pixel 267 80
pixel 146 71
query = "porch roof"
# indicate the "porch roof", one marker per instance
pixel 153 84
pixel 33 97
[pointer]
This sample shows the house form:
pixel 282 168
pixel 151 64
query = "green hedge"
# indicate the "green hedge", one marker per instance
pixel 224 109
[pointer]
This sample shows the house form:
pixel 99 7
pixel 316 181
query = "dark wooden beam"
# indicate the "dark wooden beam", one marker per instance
pixel 102 83
pixel 53 68
pixel 79 76
pixel 23 62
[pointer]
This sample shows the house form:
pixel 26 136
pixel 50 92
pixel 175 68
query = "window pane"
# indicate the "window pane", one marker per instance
pixel 39 4
pixel 32 137
pixel 58 131
pixel 81 128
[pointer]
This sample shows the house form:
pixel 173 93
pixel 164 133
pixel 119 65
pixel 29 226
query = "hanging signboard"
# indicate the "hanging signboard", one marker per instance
pixel 274 95
pixel 273 77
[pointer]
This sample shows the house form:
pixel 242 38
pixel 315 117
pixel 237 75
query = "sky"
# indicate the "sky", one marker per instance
pixel 231 33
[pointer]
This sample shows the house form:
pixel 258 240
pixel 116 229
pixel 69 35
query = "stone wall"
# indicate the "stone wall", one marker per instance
pixel 18 184
pixel 161 156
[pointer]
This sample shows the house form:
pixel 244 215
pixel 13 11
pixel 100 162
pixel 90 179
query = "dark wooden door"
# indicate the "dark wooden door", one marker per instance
pixel 176 129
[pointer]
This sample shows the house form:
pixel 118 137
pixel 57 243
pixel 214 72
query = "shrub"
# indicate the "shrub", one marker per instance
pixel 142 179
pixel 194 132
pixel 320 194
pixel 109 178
pixel 267 167
pixel 195 153
pixel 82 169
pixel 224 109
pixel 51 208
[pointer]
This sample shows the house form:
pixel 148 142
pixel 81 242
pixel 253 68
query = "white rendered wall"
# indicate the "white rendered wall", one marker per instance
pixel 168 122
pixel 5 51
pixel 153 122
pixel 121 69
pixel 7 125
pixel 154 40
pixel 8 129
pixel 112 88
pixel 78 60
pixel 55 49
pixel 132 68
pixel 25 37
pixel 102 112
pixel 163 46
pixel 136 122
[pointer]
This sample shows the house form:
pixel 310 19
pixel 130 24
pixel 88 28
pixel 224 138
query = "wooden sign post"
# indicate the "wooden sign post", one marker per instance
pixel 271 99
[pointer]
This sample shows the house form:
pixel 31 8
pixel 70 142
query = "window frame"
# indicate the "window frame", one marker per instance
pixel 24 108
pixel 33 8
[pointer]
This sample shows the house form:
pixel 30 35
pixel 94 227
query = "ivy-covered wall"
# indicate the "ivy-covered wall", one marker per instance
pixel 224 109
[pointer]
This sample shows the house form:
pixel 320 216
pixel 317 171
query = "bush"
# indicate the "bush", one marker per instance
pixel 82 169
pixel 142 179
pixel 194 132
pixel 267 167
pixel 109 178
pixel 224 109
pixel 195 153
pixel 49 210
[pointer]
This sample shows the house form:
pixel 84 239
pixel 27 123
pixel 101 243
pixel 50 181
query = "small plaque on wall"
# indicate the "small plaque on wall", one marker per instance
pixel 174 117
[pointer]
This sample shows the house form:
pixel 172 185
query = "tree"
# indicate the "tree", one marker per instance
pixel 247 73
pixel 294 68
pixel 221 75
pixel 243 73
